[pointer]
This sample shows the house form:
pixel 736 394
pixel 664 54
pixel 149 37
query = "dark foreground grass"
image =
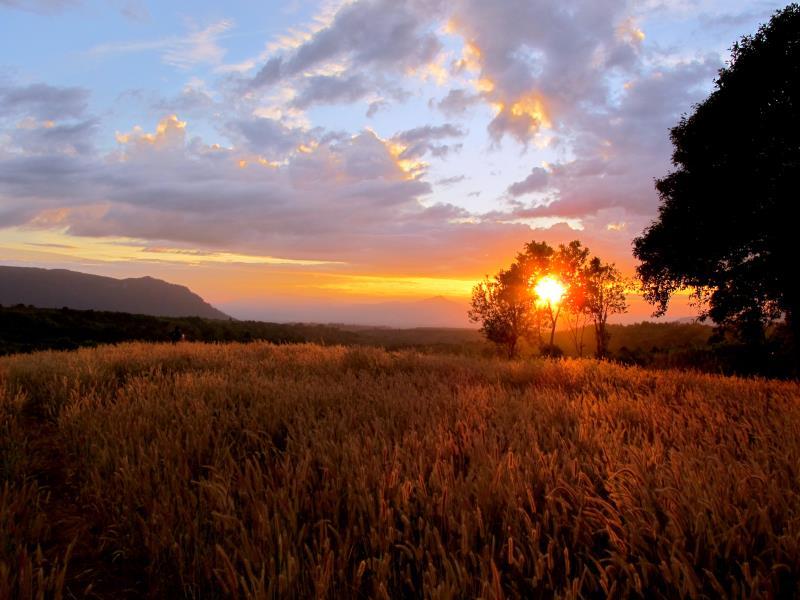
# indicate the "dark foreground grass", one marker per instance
pixel 259 471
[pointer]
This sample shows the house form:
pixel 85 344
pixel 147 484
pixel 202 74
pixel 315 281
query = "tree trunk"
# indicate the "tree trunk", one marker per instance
pixel 793 321
pixel 511 348
pixel 601 338
pixel 554 319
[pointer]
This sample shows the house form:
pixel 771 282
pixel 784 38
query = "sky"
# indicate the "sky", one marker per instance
pixel 310 154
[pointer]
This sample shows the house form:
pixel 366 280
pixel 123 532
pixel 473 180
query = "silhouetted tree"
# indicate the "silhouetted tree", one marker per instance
pixel 727 221
pixel 570 261
pixel 504 308
pixel 504 304
pixel 604 290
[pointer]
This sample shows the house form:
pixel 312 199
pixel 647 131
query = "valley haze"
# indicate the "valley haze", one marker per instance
pixel 56 288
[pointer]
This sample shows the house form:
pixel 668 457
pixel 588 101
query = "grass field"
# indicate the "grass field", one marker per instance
pixel 261 471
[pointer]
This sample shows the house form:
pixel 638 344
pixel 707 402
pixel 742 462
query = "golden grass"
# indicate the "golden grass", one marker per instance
pixel 260 471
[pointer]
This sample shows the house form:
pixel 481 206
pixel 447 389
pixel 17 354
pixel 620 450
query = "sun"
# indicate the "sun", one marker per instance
pixel 549 290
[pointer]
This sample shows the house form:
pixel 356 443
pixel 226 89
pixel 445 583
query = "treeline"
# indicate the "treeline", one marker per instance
pixel 28 329
pixel 654 345
pixel 694 346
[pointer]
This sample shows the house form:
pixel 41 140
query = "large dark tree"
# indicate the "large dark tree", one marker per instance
pixel 727 224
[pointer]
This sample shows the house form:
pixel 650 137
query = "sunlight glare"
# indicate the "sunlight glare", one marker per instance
pixel 549 290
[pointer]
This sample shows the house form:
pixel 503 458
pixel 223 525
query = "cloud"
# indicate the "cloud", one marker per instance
pixel 534 182
pixel 263 135
pixel 551 74
pixel 33 183
pixel 523 118
pixel 347 199
pixel 135 10
pixel 451 180
pixel 754 13
pixel 48 137
pixel 198 47
pixel 372 41
pixel 559 70
pixel 192 99
pixel 428 132
pixel 457 101
pixel 325 89
pixel 40 119
pixel 269 74
pixel 375 106
pixel 619 152
pixel 169 136
pixel 368 33
pixel 39 6
pixel 43 101
pixel 537 61
pixel 416 143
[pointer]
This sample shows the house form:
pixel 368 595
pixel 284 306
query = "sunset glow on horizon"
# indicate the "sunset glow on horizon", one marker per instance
pixel 360 151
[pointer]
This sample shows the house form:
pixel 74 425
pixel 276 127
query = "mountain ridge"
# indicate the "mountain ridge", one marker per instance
pixel 57 288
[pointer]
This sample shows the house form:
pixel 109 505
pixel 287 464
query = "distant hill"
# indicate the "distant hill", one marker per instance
pixel 56 288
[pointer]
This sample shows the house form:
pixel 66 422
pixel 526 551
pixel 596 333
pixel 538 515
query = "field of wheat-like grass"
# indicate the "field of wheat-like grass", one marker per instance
pixel 261 471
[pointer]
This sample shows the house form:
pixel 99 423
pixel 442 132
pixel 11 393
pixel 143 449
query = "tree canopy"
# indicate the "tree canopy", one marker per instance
pixel 503 307
pixel 726 226
pixel 604 295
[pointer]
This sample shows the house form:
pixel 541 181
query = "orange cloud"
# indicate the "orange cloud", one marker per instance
pixel 532 108
pixel 471 58
pixel 170 131
pixel 523 117
pixel 433 70
pixel 243 163
pixel 410 168
pixel 628 31
pixel 48 228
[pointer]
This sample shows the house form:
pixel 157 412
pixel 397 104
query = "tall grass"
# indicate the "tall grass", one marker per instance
pixel 259 471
